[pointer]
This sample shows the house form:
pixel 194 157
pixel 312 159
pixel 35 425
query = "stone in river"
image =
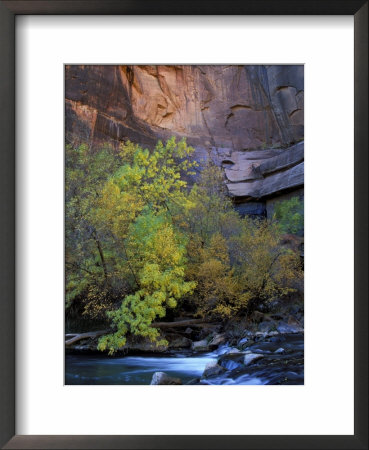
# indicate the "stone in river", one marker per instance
pixel 163 378
pixel 212 369
pixel 284 327
pixel 251 358
pixel 217 340
pixel 200 346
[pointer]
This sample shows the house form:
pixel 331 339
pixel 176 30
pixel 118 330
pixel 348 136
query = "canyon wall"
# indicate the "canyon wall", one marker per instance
pixel 248 119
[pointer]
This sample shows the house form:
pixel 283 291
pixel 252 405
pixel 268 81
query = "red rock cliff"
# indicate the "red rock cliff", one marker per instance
pixel 227 110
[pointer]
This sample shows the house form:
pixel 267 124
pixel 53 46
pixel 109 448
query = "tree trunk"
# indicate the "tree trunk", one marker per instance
pixel 91 335
pixel 73 338
pixel 101 257
pixel 181 323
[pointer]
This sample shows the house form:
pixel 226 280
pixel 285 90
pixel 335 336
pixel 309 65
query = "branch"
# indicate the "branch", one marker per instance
pixel 92 334
pixel 181 323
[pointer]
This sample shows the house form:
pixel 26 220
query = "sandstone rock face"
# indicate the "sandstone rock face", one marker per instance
pixel 243 107
pixel 260 174
pixel 292 178
pixel 249 119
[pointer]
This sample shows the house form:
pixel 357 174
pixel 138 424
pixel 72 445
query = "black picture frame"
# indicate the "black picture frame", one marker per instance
pixel 8 12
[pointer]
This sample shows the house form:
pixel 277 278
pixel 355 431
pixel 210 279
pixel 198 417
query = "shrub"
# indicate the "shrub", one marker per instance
pixel 290 215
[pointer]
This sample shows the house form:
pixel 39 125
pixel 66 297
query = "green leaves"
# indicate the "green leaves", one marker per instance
pixel 290 215
pixel 106 192
pixel 133 213
pixel 158 258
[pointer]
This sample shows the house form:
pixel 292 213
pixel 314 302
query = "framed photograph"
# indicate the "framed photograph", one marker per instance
pixel 159 226
pixel 198 164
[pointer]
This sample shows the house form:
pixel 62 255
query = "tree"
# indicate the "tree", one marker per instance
pixel 86 259
pixel 138 208
pixel 210 210
pixel 219 292
pixel 105 193
pixel 238 263
pixel 290 215
pixel 159 259
pixel 265 268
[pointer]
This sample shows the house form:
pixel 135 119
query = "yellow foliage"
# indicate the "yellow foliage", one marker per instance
pixel 158 258
pixel 218 289
pixel 265 268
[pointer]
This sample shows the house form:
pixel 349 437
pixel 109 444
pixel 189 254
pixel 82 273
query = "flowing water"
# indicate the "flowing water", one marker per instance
pixel 132 369
pixel 274 368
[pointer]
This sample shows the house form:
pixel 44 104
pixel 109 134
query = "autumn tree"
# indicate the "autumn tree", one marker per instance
pixel 237 262
pixel 137 208
pixel 219 294
pixel 265 268
pixel 158 256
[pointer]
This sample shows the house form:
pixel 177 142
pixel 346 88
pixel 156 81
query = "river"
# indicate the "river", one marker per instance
pixel 282 363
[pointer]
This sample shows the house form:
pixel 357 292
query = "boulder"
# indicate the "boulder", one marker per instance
pixel 135 344
pixel 259 335
pixel 217 340
pixel 231 361
pixel 250 358
pixel 178 341
pixel 163 378
pixel 231 364
pixel 273 333
pixel 265 327
pixel 284 327
pixel 233 350
pixel 200 346
pixel 243 341
pixel 212 369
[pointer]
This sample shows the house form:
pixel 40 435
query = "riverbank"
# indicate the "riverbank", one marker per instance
pixel 266 348
pixel 276 359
